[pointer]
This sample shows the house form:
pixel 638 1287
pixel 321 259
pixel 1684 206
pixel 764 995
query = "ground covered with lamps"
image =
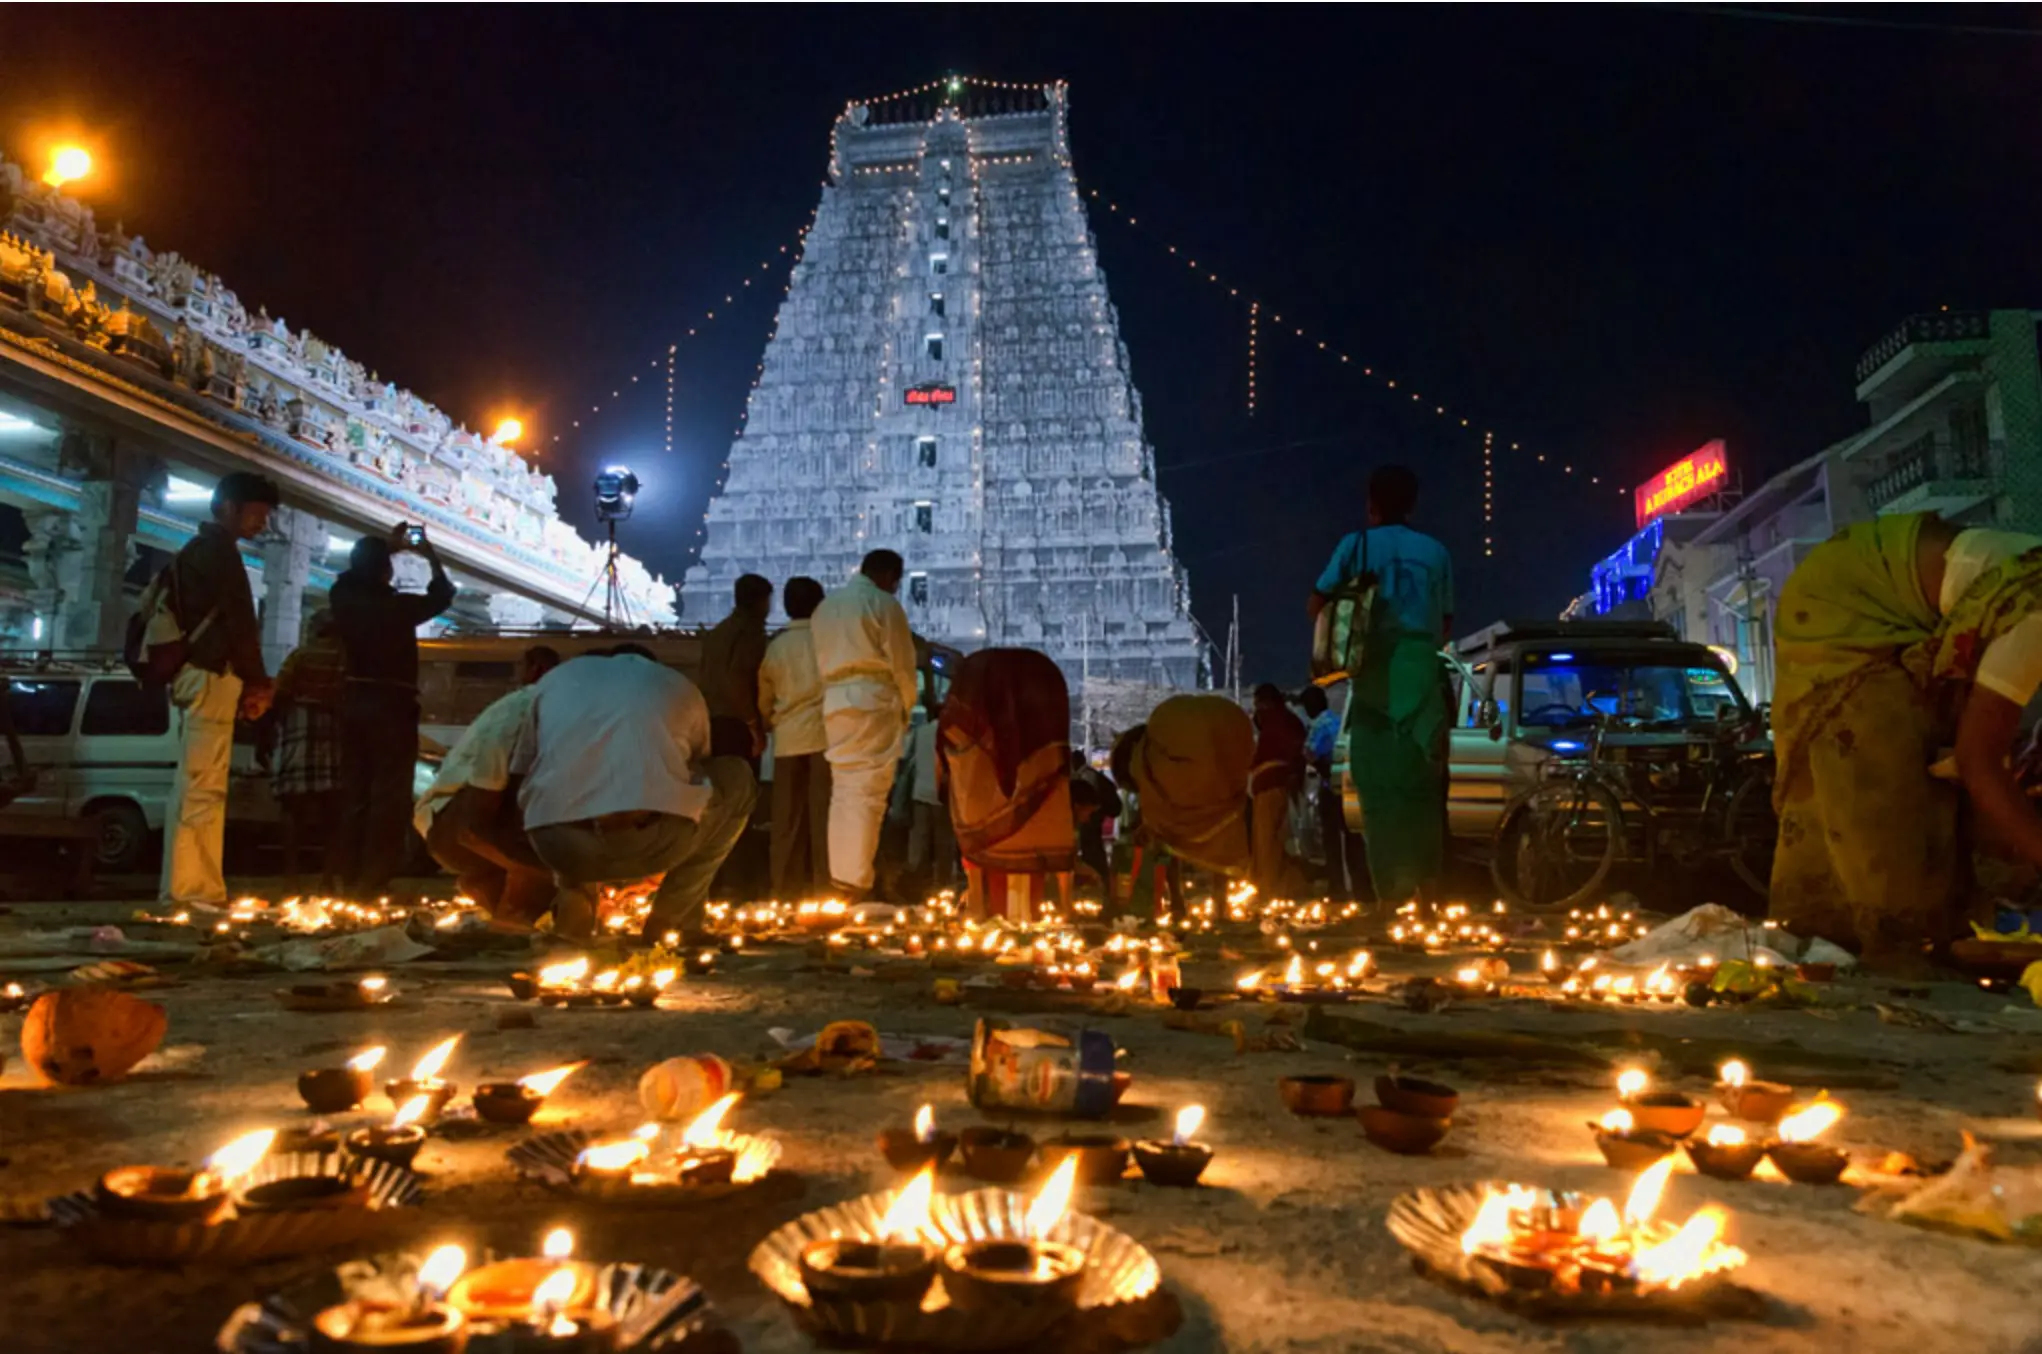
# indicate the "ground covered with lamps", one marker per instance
pixel 1283 1243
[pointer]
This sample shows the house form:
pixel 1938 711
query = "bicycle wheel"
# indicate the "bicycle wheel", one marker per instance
pixel 1751 832
pixel 1556 845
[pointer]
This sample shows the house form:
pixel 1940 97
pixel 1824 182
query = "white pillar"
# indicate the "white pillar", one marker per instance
pixel 295 538
pixel 78 560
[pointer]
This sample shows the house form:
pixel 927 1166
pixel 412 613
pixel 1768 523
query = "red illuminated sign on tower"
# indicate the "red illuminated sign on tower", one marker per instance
pixel 930 394
pixel 1695 476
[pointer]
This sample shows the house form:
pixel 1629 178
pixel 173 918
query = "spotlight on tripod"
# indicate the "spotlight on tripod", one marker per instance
pixel 616 491
pixel 616 488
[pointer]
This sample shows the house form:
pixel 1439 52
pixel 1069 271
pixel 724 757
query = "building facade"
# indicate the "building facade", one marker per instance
pixel 946 379
pixel 131 379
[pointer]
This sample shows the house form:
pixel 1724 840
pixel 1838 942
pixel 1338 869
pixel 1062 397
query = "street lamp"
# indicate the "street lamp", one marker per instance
pixel 67 162
pixel 508 431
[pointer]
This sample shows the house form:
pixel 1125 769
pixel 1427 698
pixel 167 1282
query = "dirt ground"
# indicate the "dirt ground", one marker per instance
pixel 1283 1248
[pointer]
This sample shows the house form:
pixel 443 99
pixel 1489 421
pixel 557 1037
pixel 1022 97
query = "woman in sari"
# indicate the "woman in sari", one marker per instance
pixel 1398 702
pixel 305 768
pixel 1893 638
pixel 1005 736
pixel 1189 768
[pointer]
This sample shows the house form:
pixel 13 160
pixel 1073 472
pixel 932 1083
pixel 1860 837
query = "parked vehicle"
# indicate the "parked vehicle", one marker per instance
pixel 1660 721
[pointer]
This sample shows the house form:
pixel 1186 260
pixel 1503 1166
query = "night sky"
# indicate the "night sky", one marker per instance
pixel 1607 234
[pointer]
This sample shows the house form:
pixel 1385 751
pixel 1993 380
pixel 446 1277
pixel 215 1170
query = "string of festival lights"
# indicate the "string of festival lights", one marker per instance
pixel 1254 322
pixel 1311 338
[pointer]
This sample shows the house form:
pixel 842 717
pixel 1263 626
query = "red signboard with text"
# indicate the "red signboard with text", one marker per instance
pixel 931 394
pixel 1695 476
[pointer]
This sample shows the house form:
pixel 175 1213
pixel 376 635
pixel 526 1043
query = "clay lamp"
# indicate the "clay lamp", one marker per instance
pixel 515 1102
pixel 558 1328
pixel 1032 1273
pixel 896 1266
pixel 1667 1112
pixel 1797 1154
pixel 701 962
pixel 1726 1155
pixel 306 1193
pixel 1400 1132
pixel 909 1149
pixel 998 1156
pixel 1101 1157
pixel 425 1325
pixel 1185 998
pixel 1757 1102
pixel 396 1142
pixel 508 1290
pixel 315 1139
pixel 607 1168
pixel 1317 1095
pixel 336 1090
pixel 523 986
pixel 1627 1147
pixel 707 1156
pixel 425 1081
pixel 1410 1095
pixel 1179 1161
pixel 12 997
pixel 607 988
pixel 161 1194
pixel 641 992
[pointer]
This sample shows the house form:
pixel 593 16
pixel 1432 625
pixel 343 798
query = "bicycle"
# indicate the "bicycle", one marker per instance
pixel 1696 803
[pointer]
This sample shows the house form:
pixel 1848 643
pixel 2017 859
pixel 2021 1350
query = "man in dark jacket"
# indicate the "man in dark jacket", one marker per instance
pixel 731 654
pixel 223 676
pixel 378 628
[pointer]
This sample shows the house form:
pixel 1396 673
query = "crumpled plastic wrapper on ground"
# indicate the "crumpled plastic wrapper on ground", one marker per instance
pixel 383 946
pixel 922 1048
pixel 1974 1197
pixel 1716 931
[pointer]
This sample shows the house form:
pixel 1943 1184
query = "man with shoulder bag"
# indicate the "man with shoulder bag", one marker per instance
pixel 205 604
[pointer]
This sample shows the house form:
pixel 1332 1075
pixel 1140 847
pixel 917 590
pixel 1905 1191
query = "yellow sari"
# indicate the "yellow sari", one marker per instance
pixel 1191 773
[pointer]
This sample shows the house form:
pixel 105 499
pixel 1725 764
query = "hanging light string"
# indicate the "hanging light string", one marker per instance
pixel 1254 318
pixel 1299 331
pixel 1488 495
pixel 667 358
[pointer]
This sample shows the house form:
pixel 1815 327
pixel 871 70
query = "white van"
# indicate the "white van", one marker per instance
pixel 102 743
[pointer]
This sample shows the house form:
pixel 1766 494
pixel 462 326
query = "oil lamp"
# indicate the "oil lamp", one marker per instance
pixel 1668 1112
pixel 1034 1273
pixel 1797 1154
pixel 707 1156
pixel 335 1090
pixel 897 1265
pixel 398 1141
pixel 515 1102
pixel 1758 1102
pixel 13 997
pixel 605 1167
pixel 1726 1154
pixel 1000 1156
pixel 161 1194
pixel 1179 1161
pixel 908 1150
pixel 425 1081
pixel 546 1303
pixel 1626 1146
pixel 425 1325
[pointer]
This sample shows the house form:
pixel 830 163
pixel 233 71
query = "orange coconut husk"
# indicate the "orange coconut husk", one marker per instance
pixel 85 1036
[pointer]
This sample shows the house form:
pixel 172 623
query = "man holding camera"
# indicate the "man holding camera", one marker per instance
pixel 378 628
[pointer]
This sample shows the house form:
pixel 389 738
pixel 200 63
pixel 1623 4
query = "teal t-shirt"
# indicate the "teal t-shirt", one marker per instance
pixel 1416 577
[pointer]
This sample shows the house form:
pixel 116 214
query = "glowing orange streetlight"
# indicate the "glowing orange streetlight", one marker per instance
pixel 508 432
pixel 67 162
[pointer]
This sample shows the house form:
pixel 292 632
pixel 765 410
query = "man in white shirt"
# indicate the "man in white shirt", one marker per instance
pixel 790 705
pixel 619 786
pixel 865 654
pixel 471 826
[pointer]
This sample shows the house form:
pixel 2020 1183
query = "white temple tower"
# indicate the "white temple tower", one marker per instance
pixel 946 378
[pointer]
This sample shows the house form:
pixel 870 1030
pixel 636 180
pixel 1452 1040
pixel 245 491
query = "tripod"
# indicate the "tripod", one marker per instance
pixel 616 605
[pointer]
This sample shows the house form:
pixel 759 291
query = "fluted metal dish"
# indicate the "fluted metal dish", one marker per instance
pixel 655 1309
pixel 1118 1271
pixel 548 1159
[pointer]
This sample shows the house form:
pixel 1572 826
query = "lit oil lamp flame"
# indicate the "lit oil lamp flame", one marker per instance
pixel 1688 1254
pixel 606 980
pixel 440 1270
pixel 1048 1208
pixel 410 1110
pixel 545 1083
pixel 1491 1228
pixel 1616 1121
pixel 614 1156
pixel 1809 1124
pixel 428 1067
pixel 1360 964
pixel 238 1157
pixel 925 1124
pixel 908 1216
pixel 1600 1222
pixel 706 1129
pixel 1734 1072
pixel 367 1060
pixel 372 986
pixel 1549 962
pixel 564 975
pixel 1126 982
pixel 1294 972
pixel 1189 1119
pixel 1645 1195
pixel 1248 982
pixel 559 1244
pixel 1468 977
pixel 663 979
pixel 1726 1135
pixel 1631 1083
pixel 551 1295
